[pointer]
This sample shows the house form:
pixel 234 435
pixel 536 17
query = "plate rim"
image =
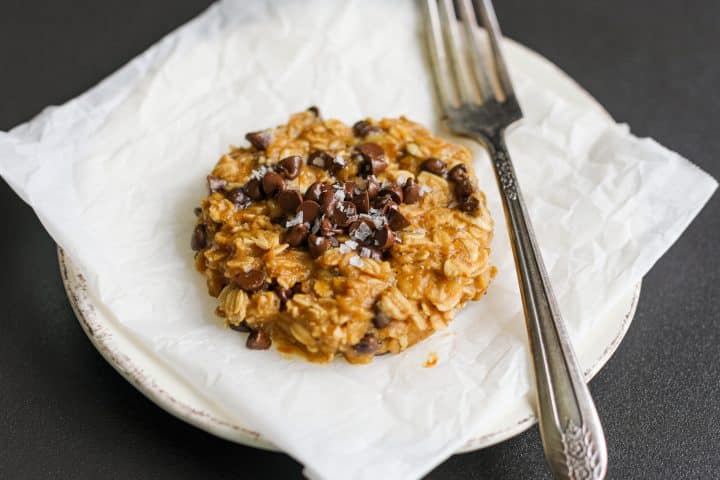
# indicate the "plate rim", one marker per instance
pixel 77 292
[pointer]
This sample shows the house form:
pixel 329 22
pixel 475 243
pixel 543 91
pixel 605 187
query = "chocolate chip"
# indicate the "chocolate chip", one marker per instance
pixel 289 167
pixel 345 213
pixel 464 188
pixel 337 164
pixel 197 211
pixel 260 140
pixel 328 201
pixel 318 245
pixel 395 192
pixel 290 200
pixel 381 319
pixel 364 128
pixel 356 224
pixel 362 202
pixel 367 344
pixel 272 183
pixel 349 188
pixel 284 294
pixel 396 220
pixel 215 184
pixel 373 186
pixel 315 110
pixel 314 191
pixel 327 228
pixel 281 220
pixel 297 235
pixel 297 288
pixel 458 173
pixel 361 128
pixel 250 281
pixel 374 157
pixel 240 327
pixel 411 191
pixel 310 209
pixel 434 165
pixel 258 340
pixel 384 237
pixel 253 189
pixel 381 202
pixel 199 237
pixel 470 205
pixel 363 235
pixel 371 151
pixel 321 159
pixel 238 198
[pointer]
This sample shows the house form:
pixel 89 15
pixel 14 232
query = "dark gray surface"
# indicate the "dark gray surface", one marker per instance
pixel 65 413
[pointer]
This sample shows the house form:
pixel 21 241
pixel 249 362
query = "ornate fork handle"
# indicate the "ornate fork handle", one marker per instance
pixel 569 424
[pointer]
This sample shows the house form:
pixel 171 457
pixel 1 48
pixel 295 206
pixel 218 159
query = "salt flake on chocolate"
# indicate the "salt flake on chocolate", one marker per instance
pixel 296 220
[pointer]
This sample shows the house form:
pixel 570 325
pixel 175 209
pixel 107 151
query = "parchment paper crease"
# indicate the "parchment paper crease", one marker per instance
pixel 114 175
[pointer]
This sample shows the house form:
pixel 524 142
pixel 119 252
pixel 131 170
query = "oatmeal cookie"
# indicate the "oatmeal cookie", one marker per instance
pixel 329 239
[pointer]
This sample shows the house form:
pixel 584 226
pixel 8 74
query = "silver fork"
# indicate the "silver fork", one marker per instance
pixel 479 102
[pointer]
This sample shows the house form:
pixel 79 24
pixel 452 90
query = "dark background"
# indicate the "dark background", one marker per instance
pixel 65 413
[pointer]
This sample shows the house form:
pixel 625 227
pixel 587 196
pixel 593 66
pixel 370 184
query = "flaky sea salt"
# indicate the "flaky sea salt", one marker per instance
pixel 365 252
pixel 259 172
pixel 362 232
pixel 424 189
pixel 296 220
pixel 348 246
pixel 378 220
pixel 339 160
pixel 401 180
pixel 340 195
pixel 356 261
pixel 375 215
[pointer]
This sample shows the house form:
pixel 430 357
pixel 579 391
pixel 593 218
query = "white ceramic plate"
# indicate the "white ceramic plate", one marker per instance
pixel 175 396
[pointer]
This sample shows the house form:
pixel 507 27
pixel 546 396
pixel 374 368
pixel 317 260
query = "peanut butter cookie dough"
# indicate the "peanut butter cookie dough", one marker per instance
pixel 328 239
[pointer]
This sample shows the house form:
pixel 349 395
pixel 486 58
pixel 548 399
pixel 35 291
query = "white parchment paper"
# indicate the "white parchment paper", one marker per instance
pixel 115 173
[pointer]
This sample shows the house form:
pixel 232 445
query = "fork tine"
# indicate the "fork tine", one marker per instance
pixel 438 56
pixel 469 20
pixel 459 61
pixel 490 22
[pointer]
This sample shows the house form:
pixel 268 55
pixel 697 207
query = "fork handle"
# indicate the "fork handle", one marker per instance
pixel 570 428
